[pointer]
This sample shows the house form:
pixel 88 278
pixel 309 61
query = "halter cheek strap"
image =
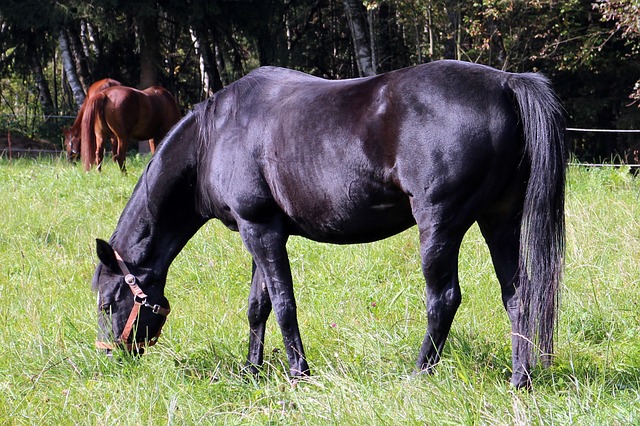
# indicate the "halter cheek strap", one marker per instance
pixel 139 300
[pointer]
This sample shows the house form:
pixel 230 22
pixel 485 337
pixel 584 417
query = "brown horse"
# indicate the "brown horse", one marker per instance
pixel 72 134
pixel 126 113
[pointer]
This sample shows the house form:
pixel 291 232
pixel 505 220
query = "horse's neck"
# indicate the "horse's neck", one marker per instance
pixel 162 215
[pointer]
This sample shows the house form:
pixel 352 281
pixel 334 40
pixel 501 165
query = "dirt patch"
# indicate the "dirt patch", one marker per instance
pixel 14 145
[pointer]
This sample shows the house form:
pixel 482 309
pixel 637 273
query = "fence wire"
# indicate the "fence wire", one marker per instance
pixel 9 150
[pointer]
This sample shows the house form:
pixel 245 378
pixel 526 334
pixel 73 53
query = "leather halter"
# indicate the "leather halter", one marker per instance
pixel 139 300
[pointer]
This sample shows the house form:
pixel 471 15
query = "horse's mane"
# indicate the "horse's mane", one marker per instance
pixel 204 113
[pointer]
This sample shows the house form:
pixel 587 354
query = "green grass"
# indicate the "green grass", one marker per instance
pixel 361 312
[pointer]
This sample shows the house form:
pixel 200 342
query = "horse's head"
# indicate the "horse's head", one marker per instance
pixel 131 303
pixel 71 144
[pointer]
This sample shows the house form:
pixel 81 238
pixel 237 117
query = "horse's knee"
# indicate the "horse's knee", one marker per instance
pixel 258 313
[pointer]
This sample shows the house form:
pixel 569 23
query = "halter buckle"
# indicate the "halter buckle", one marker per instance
pixel 140 299
pixel 130 279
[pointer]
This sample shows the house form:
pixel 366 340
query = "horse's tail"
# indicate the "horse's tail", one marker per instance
pixel 88 134
pixel 542 241
pixel 93 89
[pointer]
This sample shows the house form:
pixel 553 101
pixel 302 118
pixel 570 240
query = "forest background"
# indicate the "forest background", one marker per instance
pixel 52 50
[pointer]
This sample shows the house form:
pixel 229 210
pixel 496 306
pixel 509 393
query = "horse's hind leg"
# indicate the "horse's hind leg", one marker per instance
pixel 99 150
pixel 439 248
pixel 120 152
pixel 258 313
pixel 502 233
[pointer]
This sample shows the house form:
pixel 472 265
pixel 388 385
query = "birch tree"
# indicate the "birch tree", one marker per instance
pixel 69 66
pixel 362 46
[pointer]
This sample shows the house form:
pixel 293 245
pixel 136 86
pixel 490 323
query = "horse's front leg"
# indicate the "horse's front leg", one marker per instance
pixel 258 313
pixel 267 243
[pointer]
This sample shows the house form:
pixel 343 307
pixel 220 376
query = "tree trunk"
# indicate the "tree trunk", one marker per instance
pixel 211 67
pixel 89 40
pixel 209 75
pixel 270 32
pixel 357 18
pixel 44 94
pixel 204 77
pixel 430 30
pixel 497 52
pixel 149 43
pixel 451 47
pixel 221 64
pixel 79 56
pixel 70 70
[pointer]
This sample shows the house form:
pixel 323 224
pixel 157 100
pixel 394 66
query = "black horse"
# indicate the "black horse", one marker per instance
pixel 280 153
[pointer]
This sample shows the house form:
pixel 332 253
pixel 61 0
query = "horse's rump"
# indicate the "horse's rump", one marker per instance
pixel 96 87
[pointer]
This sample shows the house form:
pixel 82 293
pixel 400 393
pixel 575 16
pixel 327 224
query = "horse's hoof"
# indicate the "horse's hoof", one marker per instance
pixel 301 373
pixel 521 381
pixel 425 371
pixel 251 370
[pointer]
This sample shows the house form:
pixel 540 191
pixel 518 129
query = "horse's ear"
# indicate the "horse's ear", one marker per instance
pixel 106 254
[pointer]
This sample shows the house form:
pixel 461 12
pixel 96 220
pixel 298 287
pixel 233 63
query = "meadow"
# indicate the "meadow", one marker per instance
pixel 361 312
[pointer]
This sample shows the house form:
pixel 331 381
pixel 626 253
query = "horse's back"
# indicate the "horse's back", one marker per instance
pixel 140 114
pixel 380 113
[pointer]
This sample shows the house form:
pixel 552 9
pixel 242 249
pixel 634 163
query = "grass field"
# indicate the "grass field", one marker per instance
pixel 361 312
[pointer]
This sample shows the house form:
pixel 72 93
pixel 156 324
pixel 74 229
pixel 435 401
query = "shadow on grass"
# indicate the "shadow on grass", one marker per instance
pixel 214 363
pixel 583 370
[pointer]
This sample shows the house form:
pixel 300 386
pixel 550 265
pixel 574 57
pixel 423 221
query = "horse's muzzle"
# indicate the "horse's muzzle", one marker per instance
pixel 140 300
pixel 127 339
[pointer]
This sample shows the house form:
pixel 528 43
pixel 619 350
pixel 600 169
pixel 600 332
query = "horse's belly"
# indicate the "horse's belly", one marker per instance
pixel 360 223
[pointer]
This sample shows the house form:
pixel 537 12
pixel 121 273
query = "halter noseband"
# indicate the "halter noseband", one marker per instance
pixel 139 300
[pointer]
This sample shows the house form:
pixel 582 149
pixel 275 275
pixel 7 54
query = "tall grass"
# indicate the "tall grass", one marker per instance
pixel 361 312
